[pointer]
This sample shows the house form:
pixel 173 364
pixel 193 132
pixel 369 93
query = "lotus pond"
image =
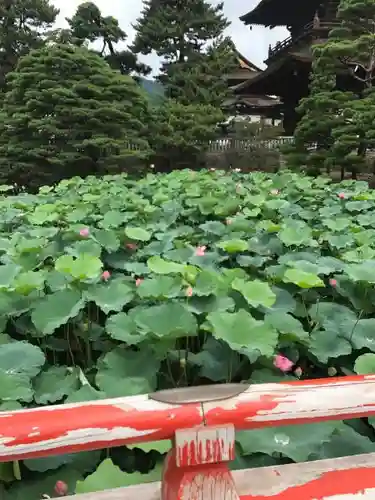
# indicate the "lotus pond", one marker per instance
pixel 113 287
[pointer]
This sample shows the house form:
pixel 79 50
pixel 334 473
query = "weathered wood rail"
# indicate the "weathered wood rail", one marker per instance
pixel 201 422
pixel 319 28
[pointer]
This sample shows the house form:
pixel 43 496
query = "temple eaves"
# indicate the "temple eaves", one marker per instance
pixel 255 15
pixel 246 63
pixel 271 13
pixel 258 83
pixel 252 101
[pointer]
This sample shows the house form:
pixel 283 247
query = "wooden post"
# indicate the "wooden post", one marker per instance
pixel 196 466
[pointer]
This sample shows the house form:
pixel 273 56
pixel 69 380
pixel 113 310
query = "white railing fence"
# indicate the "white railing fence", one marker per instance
pixel 230 144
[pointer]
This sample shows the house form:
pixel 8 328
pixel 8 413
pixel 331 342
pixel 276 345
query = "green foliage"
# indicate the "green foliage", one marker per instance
pixel 108 476
pixel 245 129
pixel 338 122
pixel 178 133
pixel 23 26
pixel 201 79
pixel 255 157
pixel 89 25
pixel 198 23
pixel 111 287
pixel 60 120
pixel 189 37
pixel 153 89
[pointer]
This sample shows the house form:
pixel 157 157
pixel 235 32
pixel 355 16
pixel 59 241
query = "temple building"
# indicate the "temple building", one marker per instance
pixel 256 107
pixel 289 61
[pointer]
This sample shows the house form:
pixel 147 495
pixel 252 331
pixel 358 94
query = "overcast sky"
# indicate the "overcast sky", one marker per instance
pixel 253 44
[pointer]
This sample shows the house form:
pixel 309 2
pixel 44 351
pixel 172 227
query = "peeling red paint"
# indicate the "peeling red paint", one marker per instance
pixel 183 454
pixel 259 406
pixel 32 428
pixel 203 445
pixel 297 402
pixel 354 379
pixel 329 484
pixel 207 481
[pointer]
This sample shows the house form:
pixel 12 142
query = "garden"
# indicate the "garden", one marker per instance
pixel 112 287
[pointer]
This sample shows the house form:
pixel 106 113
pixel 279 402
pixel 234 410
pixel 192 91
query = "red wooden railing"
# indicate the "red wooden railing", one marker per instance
pixel 201 422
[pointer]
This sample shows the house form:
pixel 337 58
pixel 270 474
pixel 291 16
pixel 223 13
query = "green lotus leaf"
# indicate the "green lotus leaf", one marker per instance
pixel 160 266
pixel 243 333
pixel 233 246
pixel 257 293
pixel 302 279
pixel 57 309
pixel 123 372
pixel 85 266
pixel 137 233
pixel 111 296
pixel 365 364
pixel 108 475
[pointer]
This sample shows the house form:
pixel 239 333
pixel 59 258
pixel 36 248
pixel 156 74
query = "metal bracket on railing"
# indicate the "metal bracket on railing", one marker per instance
pixel 196 466
pixel 201 394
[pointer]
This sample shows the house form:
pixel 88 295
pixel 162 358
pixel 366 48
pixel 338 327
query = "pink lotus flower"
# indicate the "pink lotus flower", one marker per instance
pixel 298 372
pixel 84 232
pixel 138 281
pixel 200 251
pixel 189 291
pixel 342 196
pixel 275 191
pixel 61 488
pixel 333 282
pixel 106 275
pixel 282 363
pixel 131 246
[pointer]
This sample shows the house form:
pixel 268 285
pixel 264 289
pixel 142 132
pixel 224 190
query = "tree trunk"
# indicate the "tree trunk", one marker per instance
pixel 342 174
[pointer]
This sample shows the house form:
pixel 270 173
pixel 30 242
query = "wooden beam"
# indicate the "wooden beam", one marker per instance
pixel 348 478
pixel 94 425
pixel 101 424
pixel 300 402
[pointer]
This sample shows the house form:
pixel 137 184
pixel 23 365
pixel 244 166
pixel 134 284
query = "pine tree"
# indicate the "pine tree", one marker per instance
pixel 202 79
pixel 89 25
pixel 342 120
pixel 175 29
pixel 68 113
pixel 188 36
pixel 322 114
pixel 22 26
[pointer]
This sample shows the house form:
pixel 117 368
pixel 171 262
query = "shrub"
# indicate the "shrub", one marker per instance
pixel 178 134
pixel 67 112
pixel 111 287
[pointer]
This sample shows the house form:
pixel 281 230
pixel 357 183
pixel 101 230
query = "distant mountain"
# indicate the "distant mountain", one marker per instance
pixel 153 88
